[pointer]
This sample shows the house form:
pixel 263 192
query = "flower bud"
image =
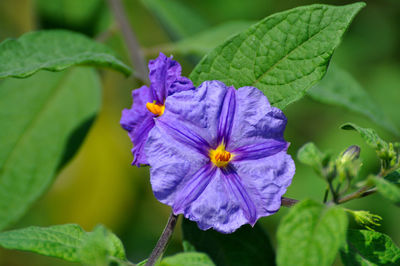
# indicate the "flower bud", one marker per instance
pixel 352 153
pixel 366 219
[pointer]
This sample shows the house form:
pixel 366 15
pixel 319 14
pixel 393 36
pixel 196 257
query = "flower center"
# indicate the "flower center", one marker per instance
pixel 155 108
pixel 220 157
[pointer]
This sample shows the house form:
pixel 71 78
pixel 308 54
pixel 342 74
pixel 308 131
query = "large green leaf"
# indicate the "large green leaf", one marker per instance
pixel 54 50
pixel 68 242
pixel 179 20
pixel 283 55
pixel 187 259
pixel 369 248
pixel 311 234
pixel 339 88
pixel 246 246
pixel 43 120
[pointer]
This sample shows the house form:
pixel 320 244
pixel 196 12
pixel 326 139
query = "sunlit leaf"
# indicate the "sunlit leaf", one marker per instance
pixel 283 55
pixel 387 189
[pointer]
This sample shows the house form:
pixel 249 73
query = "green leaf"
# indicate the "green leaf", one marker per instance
pixel 187 259
pixel 394 177
pixel 339 88
pixel 366 247
pixel 246 246
pixel 283 55
pixel 43 121
pixel 178 19
pixel 387 189
pixel 205 41
pixel 310 155
pixel 368 134
pixel 68 242
pixel 311 234
pixel 54 50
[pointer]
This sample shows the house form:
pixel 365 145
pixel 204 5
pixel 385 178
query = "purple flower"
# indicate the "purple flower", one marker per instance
pixel 148 102
pixel 218 156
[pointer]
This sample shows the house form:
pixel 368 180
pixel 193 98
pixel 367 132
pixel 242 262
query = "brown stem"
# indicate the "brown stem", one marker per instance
pixel 163 240
pixel 362 192
pixel 288 202
pixel 135 52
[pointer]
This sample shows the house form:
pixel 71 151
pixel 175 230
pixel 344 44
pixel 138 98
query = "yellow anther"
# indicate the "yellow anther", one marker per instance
pixel 157 109
pixel 220 157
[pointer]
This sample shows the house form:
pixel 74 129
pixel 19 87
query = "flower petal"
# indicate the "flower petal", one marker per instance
pixel 139 137
pixel 256 119
pixel 165 78
pixel 172 164
pixel 259 150
pixel 226 116
pixel 193 188
pixel 198 109
pixel 184 135
pixel 266 180
pixel 138 121
pixel 237 189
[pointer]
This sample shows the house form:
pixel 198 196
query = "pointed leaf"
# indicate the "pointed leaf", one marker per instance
pixel 54 50
pixel 43 121
pixel 282 55
pixel 311 234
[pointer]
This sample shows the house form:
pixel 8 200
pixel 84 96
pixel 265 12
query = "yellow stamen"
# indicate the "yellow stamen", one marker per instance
pixel 157 109
pixel 220 157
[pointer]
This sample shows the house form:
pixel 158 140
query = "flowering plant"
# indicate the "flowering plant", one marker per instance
pixel 212 146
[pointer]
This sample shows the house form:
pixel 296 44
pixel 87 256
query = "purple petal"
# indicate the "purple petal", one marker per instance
pixel 184 135
pixel 255 119
pixel 261 149
pixel 266 180
pixel 198 109
pixel 138 121
pixel 236 187
pixel 165 78
pixel 172 164
pixel 193 188
pixel 216 207
pixel 226 116
pixel 139 137
pixel 138 112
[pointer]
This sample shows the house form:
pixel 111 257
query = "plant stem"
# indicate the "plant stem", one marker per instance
pixel 362 192
pixel 135 52
pixel 163 240
pixel 288 202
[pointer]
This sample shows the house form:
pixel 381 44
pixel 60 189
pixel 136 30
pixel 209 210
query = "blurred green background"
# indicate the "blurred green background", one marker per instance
pixel 100 186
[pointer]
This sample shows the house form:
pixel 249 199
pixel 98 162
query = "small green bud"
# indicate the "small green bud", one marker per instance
pixel 366 219
pixel 352 153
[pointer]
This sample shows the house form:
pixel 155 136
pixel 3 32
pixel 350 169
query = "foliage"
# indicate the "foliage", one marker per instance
pixel 50 95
